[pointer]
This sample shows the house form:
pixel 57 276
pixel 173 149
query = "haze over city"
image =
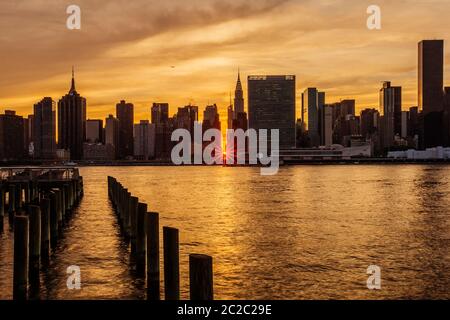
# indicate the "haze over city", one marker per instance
pixel 149 51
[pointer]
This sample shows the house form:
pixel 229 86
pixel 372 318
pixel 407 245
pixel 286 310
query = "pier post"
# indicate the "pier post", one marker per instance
pixel 18 197
pixel 141 239
pixel 200 277
pixel 133 215
pixel 59 210
pixel 126 216
pixel 34 213
pixel 171 263
pixel 2 206
pixel 53 219
pixel 63 204
pixel 45 228
pixel 20 276
pixel 152 227
pixel 11 200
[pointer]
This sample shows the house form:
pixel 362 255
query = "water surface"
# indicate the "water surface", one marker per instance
pixel 309 232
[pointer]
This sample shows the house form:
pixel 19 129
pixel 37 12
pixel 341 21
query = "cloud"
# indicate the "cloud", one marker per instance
pixel 181 52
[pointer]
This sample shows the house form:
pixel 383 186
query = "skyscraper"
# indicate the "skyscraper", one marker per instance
pixel 211 118
pixel 391 107
pixel 44 129
pixel 125 115
pixel 430 91
pixel 238 97
pixel 271 105
pixel 112 133
pixel 160 118
pixel 160 113
pixel 11 136
pixel 326 125
pixel 186 117
pixel 144 140
pixel 230 116
pixel 72 122
pixel 94 130
pixel 369 122
pixel 312 104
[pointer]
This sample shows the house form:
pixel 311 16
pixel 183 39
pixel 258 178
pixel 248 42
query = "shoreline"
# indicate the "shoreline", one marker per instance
pixel 355 161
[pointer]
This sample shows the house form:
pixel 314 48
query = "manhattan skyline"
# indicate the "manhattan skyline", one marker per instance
pixel 150 52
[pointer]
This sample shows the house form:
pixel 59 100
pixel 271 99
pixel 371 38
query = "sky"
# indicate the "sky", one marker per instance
pixel 183 52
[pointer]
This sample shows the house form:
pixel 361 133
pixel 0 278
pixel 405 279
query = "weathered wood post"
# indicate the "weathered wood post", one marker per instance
pixel 126 216
pixel 18 197
pixel 20 276
pixel 45 228
pixel 11 199
pixel 71 188
pixel 53 219
pixel 200 277
pixel 63 204
pixel 2 206
pixel 122 205
pixel 34 213
pixel 133 215
pixel 141 239
pixel 171 263
pixel 152 227
pixel 59 210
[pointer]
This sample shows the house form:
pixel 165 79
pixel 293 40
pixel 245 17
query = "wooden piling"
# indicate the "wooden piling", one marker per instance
pixel 141 239
pixel 200 277
pixel 171 263
pixel 132 223
pixel 59 210
pixel 53 219
pixel 126 216
pixel 18 197
pixel 21 240
pixel 152 227
pixel 2 206
pixel 63 204
pixel 11 199
pixel 45 228
pixel 34 213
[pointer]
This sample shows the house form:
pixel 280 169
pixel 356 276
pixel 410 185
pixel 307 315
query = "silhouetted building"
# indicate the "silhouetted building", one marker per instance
pixel 112 134
pixel 144 140
pixel 238 97
pixel 44 129
pixel 186 117
pixel 125 115
pixel 160 113
pixel 160 118
pixel 28 137
pixel 271 105
pixel 98 151
pixel 345 122
pixel 347 107
pixel 326 125
pixel 11 136
pixel 211 119
pixel 312 104
pixel 230 116
pixel 369 122
pixel 94 131
pixel 430 91
pixel 391 106
pixel 72 122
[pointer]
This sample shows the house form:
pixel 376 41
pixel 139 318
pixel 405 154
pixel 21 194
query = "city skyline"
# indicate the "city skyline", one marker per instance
pixel 138 69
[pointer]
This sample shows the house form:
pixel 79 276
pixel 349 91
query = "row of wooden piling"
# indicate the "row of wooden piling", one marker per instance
pixel 37 211
pixel 141 228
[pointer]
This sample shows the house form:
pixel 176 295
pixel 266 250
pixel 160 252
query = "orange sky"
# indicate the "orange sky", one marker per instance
pixel 189 51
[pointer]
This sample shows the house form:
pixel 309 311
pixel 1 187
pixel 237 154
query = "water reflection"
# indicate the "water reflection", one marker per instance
pixel 308 232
